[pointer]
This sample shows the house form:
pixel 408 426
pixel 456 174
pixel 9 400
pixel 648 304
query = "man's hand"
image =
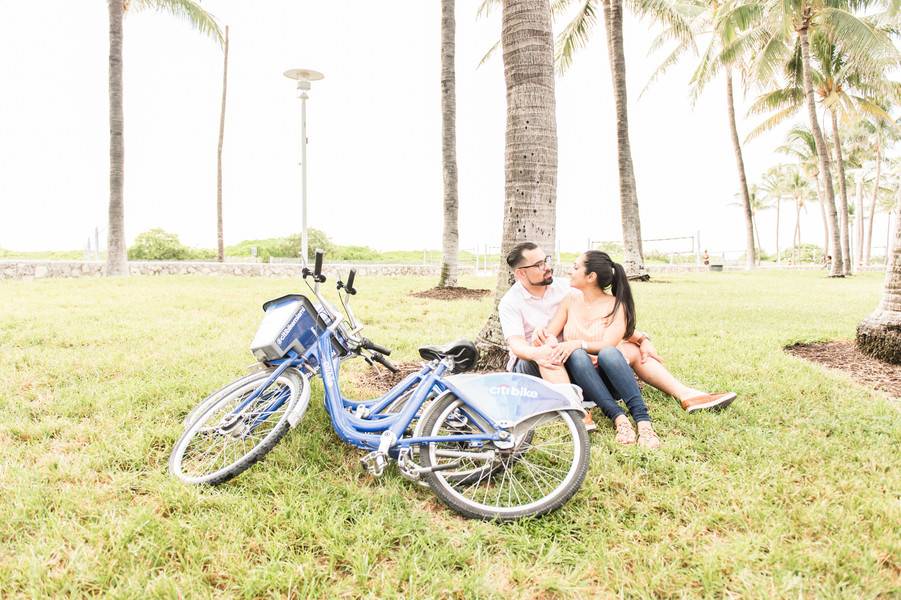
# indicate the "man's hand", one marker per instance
pixel 540 336
pixel 648 351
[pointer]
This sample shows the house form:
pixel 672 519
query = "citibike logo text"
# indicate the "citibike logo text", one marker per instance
pixel 287 329
pixel 518 392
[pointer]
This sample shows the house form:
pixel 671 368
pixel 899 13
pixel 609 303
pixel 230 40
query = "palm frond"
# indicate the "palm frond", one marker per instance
pixel 489 53
pixel 865 46
pixel 771 122
pixel 670 60
pixel 664 13
pixel 874 110
pixel 781 99
pixel 575 35
pixel 486 7
pixel 770 57
pixel 187 10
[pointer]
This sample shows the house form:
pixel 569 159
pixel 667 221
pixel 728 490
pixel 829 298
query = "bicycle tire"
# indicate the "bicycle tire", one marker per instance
pixel 215 416
pixel 207 402
pixel 452 485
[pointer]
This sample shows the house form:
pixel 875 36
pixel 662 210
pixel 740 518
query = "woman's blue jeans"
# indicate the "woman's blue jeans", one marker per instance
pixel 612 373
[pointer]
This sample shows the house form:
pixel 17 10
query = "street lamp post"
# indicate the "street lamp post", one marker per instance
pixel 303 78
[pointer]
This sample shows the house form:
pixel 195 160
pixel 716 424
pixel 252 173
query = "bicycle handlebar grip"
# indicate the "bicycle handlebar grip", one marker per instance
pixel 370 345
pixel 380 358
pixel 317 269
pixel 350 281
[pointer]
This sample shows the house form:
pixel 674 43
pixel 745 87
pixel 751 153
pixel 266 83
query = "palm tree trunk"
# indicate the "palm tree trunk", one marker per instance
pixel 530 155
pixel 822 202
pixel 116 260
pixel 797 250
pixel 869 243
pixel 879 335
pixel 220 238
pixel 778 211
pixel 823 155
pixel 633 260
pixel 742 179
pixel 843 205
pixel 450 240
pixel 860 219
pixel 757 235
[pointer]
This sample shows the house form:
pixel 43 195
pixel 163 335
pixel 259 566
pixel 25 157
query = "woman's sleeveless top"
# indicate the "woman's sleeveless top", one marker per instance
pixel 577 327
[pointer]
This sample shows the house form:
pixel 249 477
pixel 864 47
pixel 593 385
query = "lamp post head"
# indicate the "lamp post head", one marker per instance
pixel 304 76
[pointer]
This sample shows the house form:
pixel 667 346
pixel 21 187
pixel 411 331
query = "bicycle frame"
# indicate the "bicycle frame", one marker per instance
pixel 368 431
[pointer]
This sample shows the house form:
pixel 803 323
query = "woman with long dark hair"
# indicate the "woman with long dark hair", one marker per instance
pixel 597 317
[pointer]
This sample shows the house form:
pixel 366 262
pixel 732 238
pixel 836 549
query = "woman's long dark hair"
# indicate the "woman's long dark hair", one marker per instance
pixel 612 275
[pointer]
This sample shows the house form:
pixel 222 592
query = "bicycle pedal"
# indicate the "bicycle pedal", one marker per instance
pixel 374 463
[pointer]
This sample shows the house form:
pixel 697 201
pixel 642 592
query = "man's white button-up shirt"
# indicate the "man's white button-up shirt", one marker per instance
pixel 521 313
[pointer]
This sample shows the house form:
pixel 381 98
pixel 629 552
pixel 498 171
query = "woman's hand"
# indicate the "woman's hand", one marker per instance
pixel 540 336
pixel 562 351
pixel 648 351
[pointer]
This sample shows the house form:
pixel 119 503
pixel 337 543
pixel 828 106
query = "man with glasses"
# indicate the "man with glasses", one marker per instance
pixel 530 304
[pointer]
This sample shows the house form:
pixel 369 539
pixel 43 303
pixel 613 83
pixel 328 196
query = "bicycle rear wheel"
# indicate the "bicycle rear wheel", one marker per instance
pixel 224 442
pixel 541 469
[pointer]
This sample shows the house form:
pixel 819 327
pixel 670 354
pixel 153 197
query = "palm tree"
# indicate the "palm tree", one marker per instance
pixel 758 202
pixel 220 237
pixel 530 156
pixel 576 35
pixel 798 188
pixel 882 134
pixel 189 10
pixel 783 37
pixel 773 185
pixel 801 145
pixel 450 240
pixel 706 19
pixel 879 335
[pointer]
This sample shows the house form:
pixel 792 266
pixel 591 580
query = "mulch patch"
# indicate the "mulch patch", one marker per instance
pixel 381 380
pixel 452 293
pixel 844 356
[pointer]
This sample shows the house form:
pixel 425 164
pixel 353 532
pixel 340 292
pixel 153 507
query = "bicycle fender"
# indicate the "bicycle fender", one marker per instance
pixel 511 398
pixel 303 402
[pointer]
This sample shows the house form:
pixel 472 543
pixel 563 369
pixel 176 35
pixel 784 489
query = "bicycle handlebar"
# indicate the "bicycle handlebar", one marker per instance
pixel 370 345
pixel 350 282
pixel 382 360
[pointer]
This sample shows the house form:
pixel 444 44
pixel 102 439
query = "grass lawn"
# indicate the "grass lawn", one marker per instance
pixel 794 491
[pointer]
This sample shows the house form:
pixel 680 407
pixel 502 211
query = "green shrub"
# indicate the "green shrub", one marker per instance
pixel 807 253
pixel 157 244
pixel 284 247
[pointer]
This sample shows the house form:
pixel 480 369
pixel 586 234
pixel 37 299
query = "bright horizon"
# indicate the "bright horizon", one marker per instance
pixel 374 125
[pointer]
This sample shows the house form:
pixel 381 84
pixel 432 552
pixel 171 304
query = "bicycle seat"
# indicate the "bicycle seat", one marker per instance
pixel 464 353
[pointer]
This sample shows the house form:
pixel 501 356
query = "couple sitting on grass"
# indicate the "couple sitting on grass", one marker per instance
pixel 584 331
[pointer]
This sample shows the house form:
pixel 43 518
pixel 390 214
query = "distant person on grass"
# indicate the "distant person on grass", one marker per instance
pixel 606 362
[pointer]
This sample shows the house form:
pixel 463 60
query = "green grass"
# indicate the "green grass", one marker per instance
pixel 793 492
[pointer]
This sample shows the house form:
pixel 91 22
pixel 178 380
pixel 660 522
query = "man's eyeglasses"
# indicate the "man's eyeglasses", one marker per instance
pixel 542 264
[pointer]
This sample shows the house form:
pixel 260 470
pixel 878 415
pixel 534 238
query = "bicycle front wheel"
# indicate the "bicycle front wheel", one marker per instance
pixel 206 403
pixel 224 441
pixel 543 466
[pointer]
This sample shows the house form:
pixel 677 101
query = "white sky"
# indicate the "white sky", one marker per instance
pixel 374 126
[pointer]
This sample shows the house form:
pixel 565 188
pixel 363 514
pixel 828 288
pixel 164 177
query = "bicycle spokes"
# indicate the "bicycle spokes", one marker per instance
pixel 226 434
pixel 513 475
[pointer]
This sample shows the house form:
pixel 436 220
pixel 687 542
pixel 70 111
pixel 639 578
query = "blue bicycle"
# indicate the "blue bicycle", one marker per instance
pixel 496 446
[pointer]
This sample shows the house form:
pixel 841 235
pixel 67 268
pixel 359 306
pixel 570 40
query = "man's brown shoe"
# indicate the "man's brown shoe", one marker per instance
pixel 708 402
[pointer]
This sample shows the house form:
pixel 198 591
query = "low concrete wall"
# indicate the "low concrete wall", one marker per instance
pixel 67 269
pixel 28 269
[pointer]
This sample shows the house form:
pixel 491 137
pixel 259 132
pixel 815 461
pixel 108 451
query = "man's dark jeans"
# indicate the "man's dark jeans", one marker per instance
pixel 612 373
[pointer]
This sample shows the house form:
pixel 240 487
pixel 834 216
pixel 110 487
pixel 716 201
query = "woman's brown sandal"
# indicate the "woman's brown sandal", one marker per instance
pixel 647 437
pixel 625 434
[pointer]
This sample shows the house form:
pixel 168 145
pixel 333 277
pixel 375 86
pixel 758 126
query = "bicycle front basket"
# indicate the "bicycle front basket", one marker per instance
pixel 291 323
